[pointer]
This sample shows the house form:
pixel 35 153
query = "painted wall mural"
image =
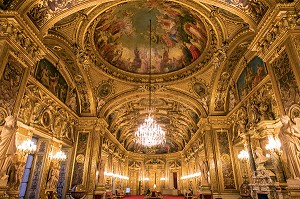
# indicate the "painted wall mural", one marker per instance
pixel 122 36
pixel 10 84
pixel 226 162
pixel 50 77
pixel 253 73
pixel 287 84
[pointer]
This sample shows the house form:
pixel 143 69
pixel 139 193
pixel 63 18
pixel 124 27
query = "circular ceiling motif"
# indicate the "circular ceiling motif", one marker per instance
pixel 122 36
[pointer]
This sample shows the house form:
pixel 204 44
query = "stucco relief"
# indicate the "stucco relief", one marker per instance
pixel 39 109
pixel 10 82
pixel 260 106
pixel 12 29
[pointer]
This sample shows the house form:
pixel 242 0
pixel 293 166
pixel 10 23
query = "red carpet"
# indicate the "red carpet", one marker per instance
pixel 142 197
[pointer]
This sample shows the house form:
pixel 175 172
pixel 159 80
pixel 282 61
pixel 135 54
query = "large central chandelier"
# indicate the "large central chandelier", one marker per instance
pixel 150 133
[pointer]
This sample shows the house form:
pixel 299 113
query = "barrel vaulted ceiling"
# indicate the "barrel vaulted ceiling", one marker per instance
pixel 102 49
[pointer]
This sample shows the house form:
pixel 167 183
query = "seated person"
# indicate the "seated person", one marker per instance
pixel 148 192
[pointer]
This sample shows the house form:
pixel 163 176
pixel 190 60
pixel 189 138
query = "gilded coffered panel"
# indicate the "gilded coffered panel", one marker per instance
pixel 177 119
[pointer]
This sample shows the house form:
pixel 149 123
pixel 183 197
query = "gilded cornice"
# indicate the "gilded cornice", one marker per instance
pixel 282 19
pixel 63 9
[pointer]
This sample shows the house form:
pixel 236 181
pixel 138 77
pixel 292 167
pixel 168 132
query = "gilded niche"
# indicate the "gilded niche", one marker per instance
pixel 178 37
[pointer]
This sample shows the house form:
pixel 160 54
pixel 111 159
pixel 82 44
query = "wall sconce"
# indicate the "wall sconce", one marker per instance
pixel 162 178
pixel 146 179
pixel 243 155
pixel 26 147
pixel 116 175
pixel 59 156
pixel 274 145
pixel 191 176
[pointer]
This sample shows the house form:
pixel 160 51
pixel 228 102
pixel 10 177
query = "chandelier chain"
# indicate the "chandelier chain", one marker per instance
pixel 150 134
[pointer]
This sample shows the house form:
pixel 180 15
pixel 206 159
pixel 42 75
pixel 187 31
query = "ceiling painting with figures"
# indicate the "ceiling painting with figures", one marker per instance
pixel 178 36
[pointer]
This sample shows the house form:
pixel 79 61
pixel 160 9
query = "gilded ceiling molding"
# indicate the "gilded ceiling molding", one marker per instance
pixel 215 39
pixel 239 47
pixel 275 27
pixel 44 13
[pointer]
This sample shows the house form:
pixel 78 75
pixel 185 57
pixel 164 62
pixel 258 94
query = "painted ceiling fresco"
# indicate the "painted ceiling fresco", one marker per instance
pixel 122 36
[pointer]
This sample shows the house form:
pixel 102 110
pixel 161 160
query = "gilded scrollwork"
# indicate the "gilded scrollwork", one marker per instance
pixel 259 107
pixel 12 30
pixel 39 109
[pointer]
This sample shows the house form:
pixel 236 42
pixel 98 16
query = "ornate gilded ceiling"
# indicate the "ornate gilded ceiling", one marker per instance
pixel 102 49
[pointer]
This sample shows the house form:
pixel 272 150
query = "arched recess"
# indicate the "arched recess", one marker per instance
pixel 238 48
pixel 125 111
pixel 65 53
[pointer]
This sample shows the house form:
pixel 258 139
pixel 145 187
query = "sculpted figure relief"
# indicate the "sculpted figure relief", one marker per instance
pixel 260 158
pixel 289 135
pixel 7 144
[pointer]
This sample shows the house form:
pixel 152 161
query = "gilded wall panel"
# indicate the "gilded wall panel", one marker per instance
pixel 80 159
pixel 10 82
pixel 225 159
pixel 285 78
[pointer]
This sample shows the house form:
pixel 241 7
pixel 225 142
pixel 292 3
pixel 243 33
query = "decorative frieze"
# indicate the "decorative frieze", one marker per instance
pixel 39 109
pixel 10 28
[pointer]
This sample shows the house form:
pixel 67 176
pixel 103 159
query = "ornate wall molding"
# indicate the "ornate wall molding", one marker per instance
pixel 18 32
pixel 39 110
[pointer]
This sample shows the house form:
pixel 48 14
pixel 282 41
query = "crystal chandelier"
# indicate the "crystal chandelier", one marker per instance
pixel 26 147
pixel 150 134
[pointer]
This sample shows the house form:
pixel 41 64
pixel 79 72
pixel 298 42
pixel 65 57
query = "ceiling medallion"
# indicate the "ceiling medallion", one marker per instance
pixel 150 134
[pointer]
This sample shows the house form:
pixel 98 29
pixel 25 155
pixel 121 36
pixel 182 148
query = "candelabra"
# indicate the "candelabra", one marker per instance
pixel 58 156
pixel 26 147
pixel 243 156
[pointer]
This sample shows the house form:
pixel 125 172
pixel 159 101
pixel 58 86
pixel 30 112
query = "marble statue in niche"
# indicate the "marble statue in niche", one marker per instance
pixel 289 135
